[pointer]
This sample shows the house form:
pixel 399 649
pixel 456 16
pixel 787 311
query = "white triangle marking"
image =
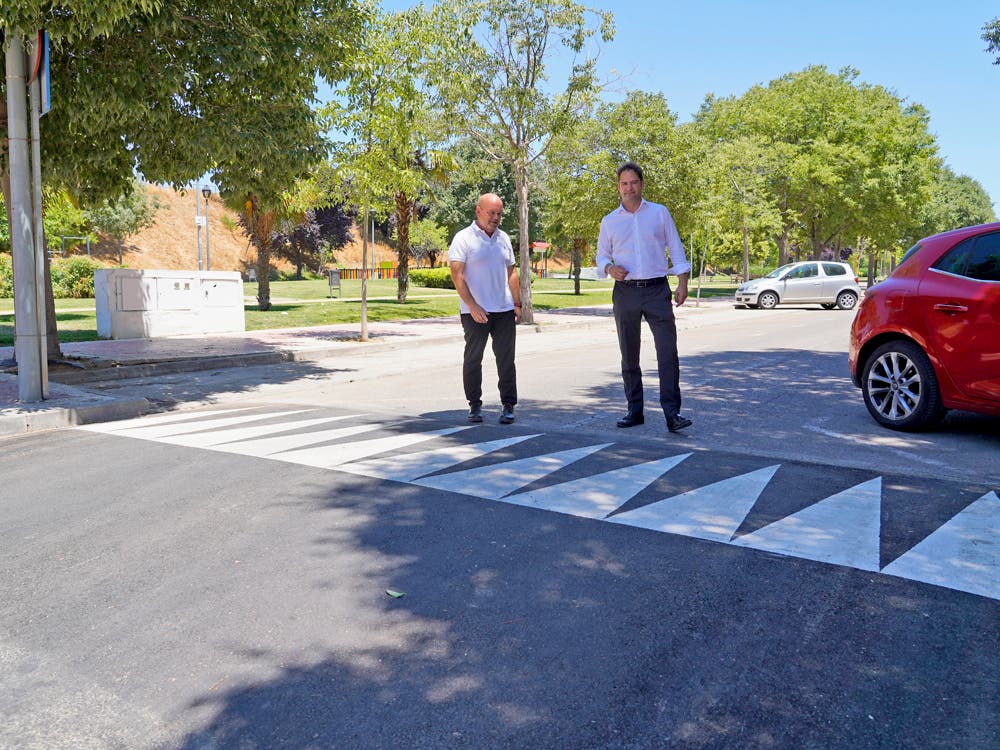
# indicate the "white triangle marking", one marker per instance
pixel 596 496
pixel 842 529
pixel 219 437
pixel 408 467
pixel 494 481
pixel 712 512
pixel 964 554
pixel 331 456
pixel 155 419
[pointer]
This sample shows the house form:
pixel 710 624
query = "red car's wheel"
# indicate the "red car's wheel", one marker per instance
pixel 900 388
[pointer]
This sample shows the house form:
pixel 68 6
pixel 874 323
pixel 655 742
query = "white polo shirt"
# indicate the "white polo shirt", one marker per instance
pixel 487 265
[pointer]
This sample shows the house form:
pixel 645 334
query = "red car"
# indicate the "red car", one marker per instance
pixel 927 339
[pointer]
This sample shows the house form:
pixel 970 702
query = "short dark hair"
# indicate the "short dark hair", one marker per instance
pixel 630 165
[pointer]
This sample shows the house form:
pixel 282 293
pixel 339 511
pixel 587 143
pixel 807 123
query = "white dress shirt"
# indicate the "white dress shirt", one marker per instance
pixel 636 241
pixel 487 265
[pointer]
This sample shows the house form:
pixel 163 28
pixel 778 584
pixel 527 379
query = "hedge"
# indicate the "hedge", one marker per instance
pixel 6 276
pixel 436 278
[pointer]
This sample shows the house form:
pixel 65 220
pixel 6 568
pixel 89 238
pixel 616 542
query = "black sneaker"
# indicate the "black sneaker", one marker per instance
pixel 507 415
pixel 475 414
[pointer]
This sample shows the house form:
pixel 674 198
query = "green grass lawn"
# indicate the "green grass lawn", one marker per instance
pixel 298 304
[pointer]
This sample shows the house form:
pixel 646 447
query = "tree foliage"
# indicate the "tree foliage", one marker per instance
pixel 389 155
pixel 124 215
pixel 991 35
pixel 495 87
pixel 843 159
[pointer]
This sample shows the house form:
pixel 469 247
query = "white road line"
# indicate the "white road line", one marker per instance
pixel 964 554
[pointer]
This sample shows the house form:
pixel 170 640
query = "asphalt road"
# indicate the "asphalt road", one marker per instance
pixel 218 577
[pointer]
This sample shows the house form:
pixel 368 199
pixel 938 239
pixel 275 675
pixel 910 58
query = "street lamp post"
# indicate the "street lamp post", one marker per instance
pixel 207 193
pixel 198 221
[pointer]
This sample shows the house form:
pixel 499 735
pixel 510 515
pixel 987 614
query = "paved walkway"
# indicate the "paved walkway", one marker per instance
pixel 90 361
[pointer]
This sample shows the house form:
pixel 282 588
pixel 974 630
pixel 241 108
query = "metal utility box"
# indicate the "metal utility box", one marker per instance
pixel 135 304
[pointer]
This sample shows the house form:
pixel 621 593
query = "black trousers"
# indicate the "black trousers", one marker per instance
pixel 631 305
pixel 501 327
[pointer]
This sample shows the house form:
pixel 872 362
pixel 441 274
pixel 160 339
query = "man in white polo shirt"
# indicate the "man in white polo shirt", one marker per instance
pixel 485 276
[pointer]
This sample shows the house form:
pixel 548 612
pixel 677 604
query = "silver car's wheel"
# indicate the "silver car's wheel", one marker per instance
pixel 899 387
pixel 767 300
pixel 847 300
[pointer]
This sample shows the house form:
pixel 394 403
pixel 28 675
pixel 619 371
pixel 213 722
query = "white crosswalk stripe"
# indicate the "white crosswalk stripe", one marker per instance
pixel 410 466
pixel 842 529
pixel 493 482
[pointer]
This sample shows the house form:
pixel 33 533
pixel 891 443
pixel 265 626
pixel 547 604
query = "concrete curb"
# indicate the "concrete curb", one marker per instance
pixel 66 407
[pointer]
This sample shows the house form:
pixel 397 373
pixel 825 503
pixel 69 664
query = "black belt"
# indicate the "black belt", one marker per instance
pixel 658 281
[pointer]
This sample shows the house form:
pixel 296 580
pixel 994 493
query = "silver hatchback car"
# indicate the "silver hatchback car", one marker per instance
pixel 822 282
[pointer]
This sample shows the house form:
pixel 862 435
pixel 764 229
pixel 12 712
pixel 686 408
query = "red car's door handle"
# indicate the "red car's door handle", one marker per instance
pixel 951 308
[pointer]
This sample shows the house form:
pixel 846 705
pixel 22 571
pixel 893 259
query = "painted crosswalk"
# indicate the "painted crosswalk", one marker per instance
pixel 601 482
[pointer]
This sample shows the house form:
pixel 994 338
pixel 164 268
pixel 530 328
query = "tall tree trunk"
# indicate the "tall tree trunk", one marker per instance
pixel 524 241
pixel 578 245
pixel 53 350
pixel 404 214
pixel 264 276
pixel 783 246
pixel 746 252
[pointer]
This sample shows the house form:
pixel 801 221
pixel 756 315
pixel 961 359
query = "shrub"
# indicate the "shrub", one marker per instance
pixel 6 276
pixel 436 278
pixel 74 277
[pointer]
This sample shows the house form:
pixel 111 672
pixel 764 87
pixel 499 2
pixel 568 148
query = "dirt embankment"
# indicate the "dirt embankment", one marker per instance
pixel 171 242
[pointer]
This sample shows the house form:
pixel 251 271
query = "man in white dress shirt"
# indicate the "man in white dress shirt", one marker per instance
pixel 485 275
pixel 630 249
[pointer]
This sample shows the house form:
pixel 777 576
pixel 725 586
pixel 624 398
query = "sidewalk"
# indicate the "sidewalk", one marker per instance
pixel 90 361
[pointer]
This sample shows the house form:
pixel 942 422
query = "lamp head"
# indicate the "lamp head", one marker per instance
pixel 207 192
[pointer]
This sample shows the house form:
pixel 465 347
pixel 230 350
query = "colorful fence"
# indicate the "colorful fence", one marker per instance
pixel 354 274
pixel 372 273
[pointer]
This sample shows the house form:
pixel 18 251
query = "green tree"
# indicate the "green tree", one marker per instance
pixel 991 35
pixel 124 215
pixel 172 89
pixel 844 159
pixel 956 201
pixel 384 111
pixel 495 88
pixel 428 240
pixel 582 161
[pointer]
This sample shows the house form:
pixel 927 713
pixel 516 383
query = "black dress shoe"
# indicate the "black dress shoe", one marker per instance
pixel 631 419
pixel 677 423
pixel 507 415
pixel 475 414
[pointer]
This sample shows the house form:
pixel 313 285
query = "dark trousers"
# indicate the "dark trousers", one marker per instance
pixel 501 327
pixel 631 305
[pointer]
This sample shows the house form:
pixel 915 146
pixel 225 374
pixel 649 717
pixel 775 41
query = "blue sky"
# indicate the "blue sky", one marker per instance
pixel 930 53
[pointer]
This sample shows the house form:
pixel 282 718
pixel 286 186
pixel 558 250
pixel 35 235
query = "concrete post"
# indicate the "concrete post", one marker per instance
pixel 28 340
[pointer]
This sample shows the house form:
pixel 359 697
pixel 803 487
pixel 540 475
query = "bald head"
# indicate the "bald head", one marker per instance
pixel 489 211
